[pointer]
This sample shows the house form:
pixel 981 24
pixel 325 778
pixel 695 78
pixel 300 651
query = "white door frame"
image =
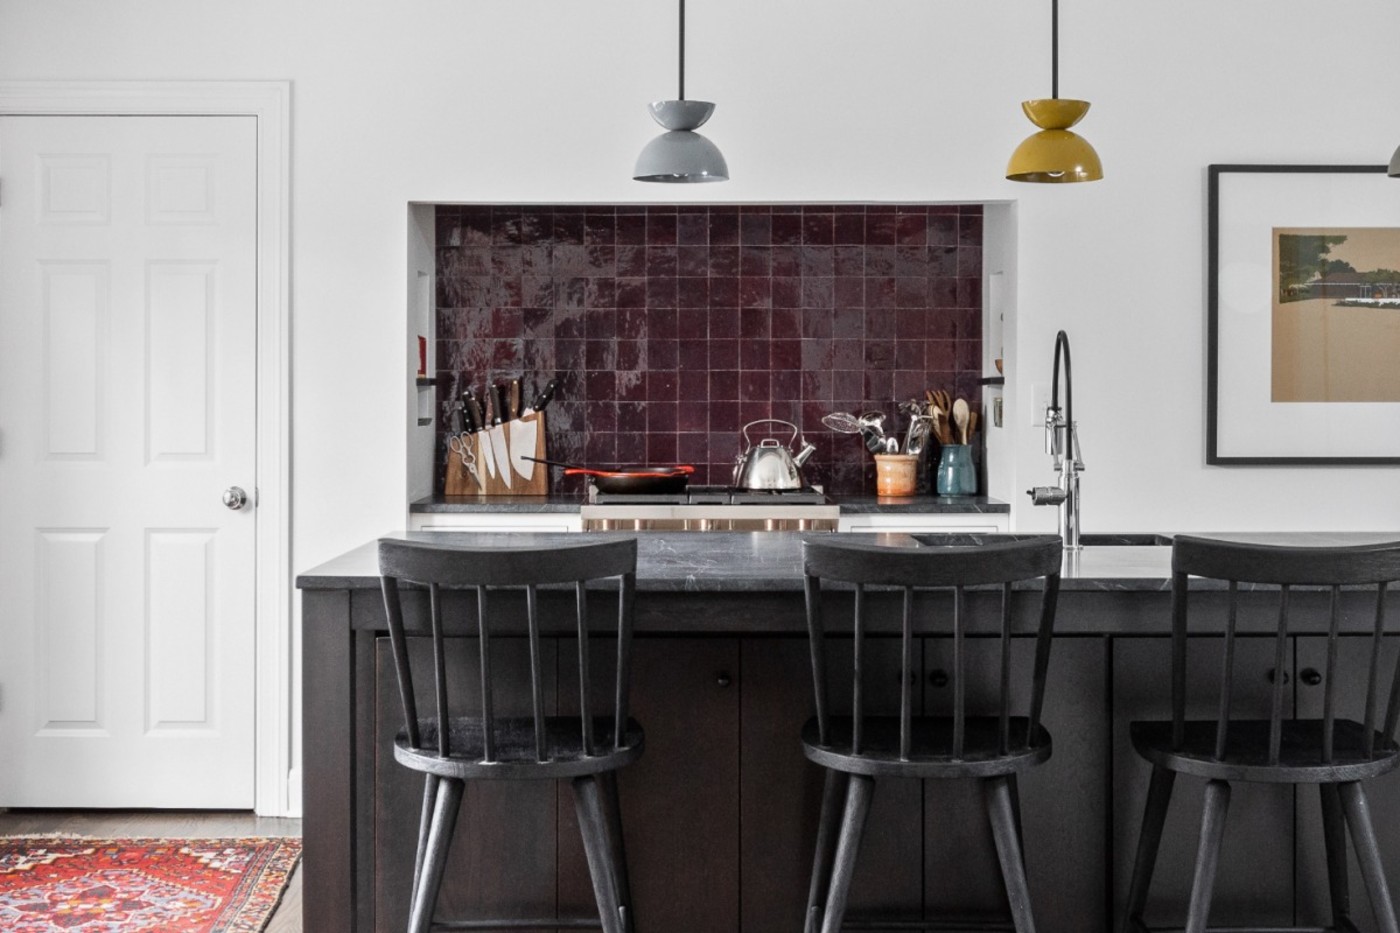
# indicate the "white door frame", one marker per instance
pixel 270 103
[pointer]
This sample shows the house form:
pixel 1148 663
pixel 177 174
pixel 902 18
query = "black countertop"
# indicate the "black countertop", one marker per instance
pixel 771 561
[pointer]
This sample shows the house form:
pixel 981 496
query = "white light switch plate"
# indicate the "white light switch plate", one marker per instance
pixel 1040 400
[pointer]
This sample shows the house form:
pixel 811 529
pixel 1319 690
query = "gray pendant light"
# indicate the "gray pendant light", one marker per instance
pixel 680 154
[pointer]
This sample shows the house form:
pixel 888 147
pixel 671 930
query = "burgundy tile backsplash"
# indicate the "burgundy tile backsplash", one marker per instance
pixel 671 327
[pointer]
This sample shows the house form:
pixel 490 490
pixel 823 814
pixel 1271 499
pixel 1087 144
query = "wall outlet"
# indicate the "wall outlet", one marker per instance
pixel 1040 400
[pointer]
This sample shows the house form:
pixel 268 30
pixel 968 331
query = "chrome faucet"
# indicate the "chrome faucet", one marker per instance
pixel 1062 444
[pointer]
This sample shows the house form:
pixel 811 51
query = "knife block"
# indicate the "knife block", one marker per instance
pixel 460 481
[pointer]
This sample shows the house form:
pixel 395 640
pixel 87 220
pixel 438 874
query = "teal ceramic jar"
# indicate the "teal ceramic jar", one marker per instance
pixel 955 475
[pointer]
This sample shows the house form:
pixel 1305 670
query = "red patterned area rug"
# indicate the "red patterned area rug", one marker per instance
pixel 66 885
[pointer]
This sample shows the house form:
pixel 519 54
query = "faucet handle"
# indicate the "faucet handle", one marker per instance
pixel 1074 441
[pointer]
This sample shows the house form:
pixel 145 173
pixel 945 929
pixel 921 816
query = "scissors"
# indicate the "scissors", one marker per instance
pixel 463 446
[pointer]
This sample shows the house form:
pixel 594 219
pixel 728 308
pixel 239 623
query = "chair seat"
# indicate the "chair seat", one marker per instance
pixel 515 749
pixel 931 744
pixel 1246 755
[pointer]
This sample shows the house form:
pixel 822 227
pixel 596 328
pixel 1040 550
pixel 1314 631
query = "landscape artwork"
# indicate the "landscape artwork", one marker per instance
pixel 1336 314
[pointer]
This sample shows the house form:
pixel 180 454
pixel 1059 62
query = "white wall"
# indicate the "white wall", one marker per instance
pixel 527 100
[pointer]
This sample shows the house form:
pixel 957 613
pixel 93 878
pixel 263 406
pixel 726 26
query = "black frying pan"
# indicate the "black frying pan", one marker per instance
pixel 630 479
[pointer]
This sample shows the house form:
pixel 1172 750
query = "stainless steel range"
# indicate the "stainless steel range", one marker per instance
pixel 711 508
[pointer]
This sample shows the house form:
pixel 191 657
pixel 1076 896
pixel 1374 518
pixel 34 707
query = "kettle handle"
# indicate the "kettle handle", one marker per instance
pixel 748 443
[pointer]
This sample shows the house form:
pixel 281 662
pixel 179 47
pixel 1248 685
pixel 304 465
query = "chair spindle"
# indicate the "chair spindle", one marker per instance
pixel 488 712
pixel 1392 713
pixel 1329 693
pixel 816 636
pixel 627 587
pixel 1004 710
pixel 393 609
pixel 857 678
pixel 536 671
pixel 1178 659
pixel 1373 676
pixel 585 705
pixel 959 678
pixel 1227 672
pixel 1049 598
pixel 1280 676
pixel 439 670
pixel 906 668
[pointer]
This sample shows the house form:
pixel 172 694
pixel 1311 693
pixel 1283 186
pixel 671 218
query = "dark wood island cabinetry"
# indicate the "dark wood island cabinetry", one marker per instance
pixel 720 811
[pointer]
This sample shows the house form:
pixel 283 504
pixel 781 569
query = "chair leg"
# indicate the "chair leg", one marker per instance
pixel 449 799
pixel 1334 833
pixel 858 793
pixel 1002 806
pixel 612 808
pixel 833 789
pixel 1154 817
pixel 593 825
pixel 1016 808
pixel 425 822
pixel 1368 853
pixel 1217 805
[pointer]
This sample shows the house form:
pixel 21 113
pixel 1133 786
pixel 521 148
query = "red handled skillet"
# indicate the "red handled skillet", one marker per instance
pixel 630 479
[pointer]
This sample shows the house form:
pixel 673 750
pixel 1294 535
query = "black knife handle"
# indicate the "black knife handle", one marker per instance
pixel 502 406
pixel 476 420
pixel 546 394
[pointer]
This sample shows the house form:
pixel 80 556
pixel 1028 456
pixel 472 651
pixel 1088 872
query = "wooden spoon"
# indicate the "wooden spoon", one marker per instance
pixel 960 413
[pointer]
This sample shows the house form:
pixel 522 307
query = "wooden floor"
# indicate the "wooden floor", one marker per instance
pixel 192 823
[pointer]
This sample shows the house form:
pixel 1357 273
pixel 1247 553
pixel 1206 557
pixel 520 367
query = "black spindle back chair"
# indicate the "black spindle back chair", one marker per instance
pixel 451 749
pixel 858 748
pixel 1334 753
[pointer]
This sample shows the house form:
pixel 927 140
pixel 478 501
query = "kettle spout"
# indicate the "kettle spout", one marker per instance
pixel 808 448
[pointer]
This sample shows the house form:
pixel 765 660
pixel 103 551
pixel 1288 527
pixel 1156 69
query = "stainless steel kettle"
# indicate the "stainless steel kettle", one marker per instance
pixel 769 464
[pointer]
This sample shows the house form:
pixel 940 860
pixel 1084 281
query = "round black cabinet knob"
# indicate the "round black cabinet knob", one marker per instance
pixel 723 679
pixel 1272 675
pixel 1310 676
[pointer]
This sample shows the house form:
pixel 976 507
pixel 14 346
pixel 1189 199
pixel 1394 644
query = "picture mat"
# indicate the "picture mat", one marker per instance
pixel 1248 423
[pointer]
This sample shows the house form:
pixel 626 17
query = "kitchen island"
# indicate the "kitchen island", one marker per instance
pixel 720 811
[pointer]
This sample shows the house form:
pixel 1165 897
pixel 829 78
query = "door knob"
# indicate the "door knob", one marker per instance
pixel 235 498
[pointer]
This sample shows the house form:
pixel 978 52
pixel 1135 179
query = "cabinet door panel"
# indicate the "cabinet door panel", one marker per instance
pixel 1063 802
pixel 1383 793
pixel 1254 884
pixel 680 799
pixel 502 862
pixel 781 791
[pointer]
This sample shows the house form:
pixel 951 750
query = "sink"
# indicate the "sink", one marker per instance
pixel 1126 539
pixel 1129 539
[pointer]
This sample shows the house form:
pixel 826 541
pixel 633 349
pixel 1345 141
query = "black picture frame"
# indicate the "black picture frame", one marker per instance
pixel 1224 413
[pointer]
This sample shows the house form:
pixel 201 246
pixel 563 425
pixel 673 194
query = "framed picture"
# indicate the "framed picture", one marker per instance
pixel 1304 315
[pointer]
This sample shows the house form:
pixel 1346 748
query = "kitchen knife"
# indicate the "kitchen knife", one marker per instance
pixel 546 394
pixel 523 433
pixel 487 452
pixel 497 433
pixel 475 419
pixel 515 400
pixel 454 420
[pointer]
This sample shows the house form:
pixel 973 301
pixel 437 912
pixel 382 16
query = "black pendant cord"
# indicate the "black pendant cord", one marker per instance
pixel 682 55
pixel 1054 47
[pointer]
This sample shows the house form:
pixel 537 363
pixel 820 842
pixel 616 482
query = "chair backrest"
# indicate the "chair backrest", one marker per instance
pixel 1371 566
pixel 1002 560
pixel 511 562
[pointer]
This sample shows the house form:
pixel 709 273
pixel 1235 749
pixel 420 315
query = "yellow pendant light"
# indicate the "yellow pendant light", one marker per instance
pixel 1054 155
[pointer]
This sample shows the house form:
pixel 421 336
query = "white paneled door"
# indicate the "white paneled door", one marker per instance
pixel 127 408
